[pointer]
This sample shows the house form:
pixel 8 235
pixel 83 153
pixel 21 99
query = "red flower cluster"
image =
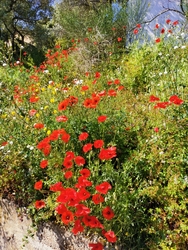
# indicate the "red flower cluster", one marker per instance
pixel 92 102
pixel 161 105
pixel 174 99
pixel 71 207
pixel 70 101
pixel 106 154
pixel 45 146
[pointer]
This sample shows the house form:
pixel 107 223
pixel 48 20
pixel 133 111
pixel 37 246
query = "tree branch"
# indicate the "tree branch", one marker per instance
pixel 162 12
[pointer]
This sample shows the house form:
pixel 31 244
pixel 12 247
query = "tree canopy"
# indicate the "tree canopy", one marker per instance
pixel 19 18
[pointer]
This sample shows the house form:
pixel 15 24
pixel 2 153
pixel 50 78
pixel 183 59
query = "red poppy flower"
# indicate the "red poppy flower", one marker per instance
pixel 46 150
pixel 116 81
pixel 92 222
pixel 102 93
pixel 85 172
pixel 86 39
pixel 110 236
pixel 176 100
pixel 120 88
pixel 95 101
pixel 86 219
pixel 162 31
pixel 38 125
pixel 55 135
pixel 83 194
pixel 157 26
pixel 33 99
pixel 135 31
pixel 97 198
pixel 87 103
pixel 138 25
pixel 83 136
pixel 84 88
pixel 77 227
pixel 107 154
pixel 66 195
pixel 61 118
pixel 108 213
pixel 102 118
pixel 157 40
pixel 94 82
pixel 79 160
pixel 98 143
pixel 70 155
pixel 44 143
pixel 175 23
pixel 38 185
pixel 67 217
pixel 44 163
pixel 57 46
pixel 32 112
pixel 74 200
pixel 68 175
pixel 56 187
pixel 156 129
pixel 110 82
pixel 65 137
pixel 61 208
pixel 161 105
pixel 72 100
pixel 112 92
pixel 4 143
pixel 82 210
pixel 119 39
pixel 103 187
pixel 67 163
pixel 39 204
pixel 96 246
pixel 63 105
pixel 83 182
pixel 153 98
pixel 87 147
pixel 97 75
pixel 168 21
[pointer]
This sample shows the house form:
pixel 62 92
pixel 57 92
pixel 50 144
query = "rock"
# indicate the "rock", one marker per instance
pixel 17 232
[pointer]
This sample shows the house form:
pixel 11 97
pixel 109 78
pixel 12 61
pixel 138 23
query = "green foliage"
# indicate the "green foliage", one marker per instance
pixel 24 19
pixel 94 33
pixel 139 115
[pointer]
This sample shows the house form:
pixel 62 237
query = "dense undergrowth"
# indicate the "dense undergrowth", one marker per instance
pixel 101 146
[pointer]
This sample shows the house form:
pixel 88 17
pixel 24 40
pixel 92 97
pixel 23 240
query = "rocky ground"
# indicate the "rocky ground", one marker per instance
pixel 17 233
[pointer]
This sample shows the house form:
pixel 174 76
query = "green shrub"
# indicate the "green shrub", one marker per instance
pixel 66 131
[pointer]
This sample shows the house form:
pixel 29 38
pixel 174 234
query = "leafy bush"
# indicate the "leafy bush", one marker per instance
pixel 94 33
pixel 102 151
